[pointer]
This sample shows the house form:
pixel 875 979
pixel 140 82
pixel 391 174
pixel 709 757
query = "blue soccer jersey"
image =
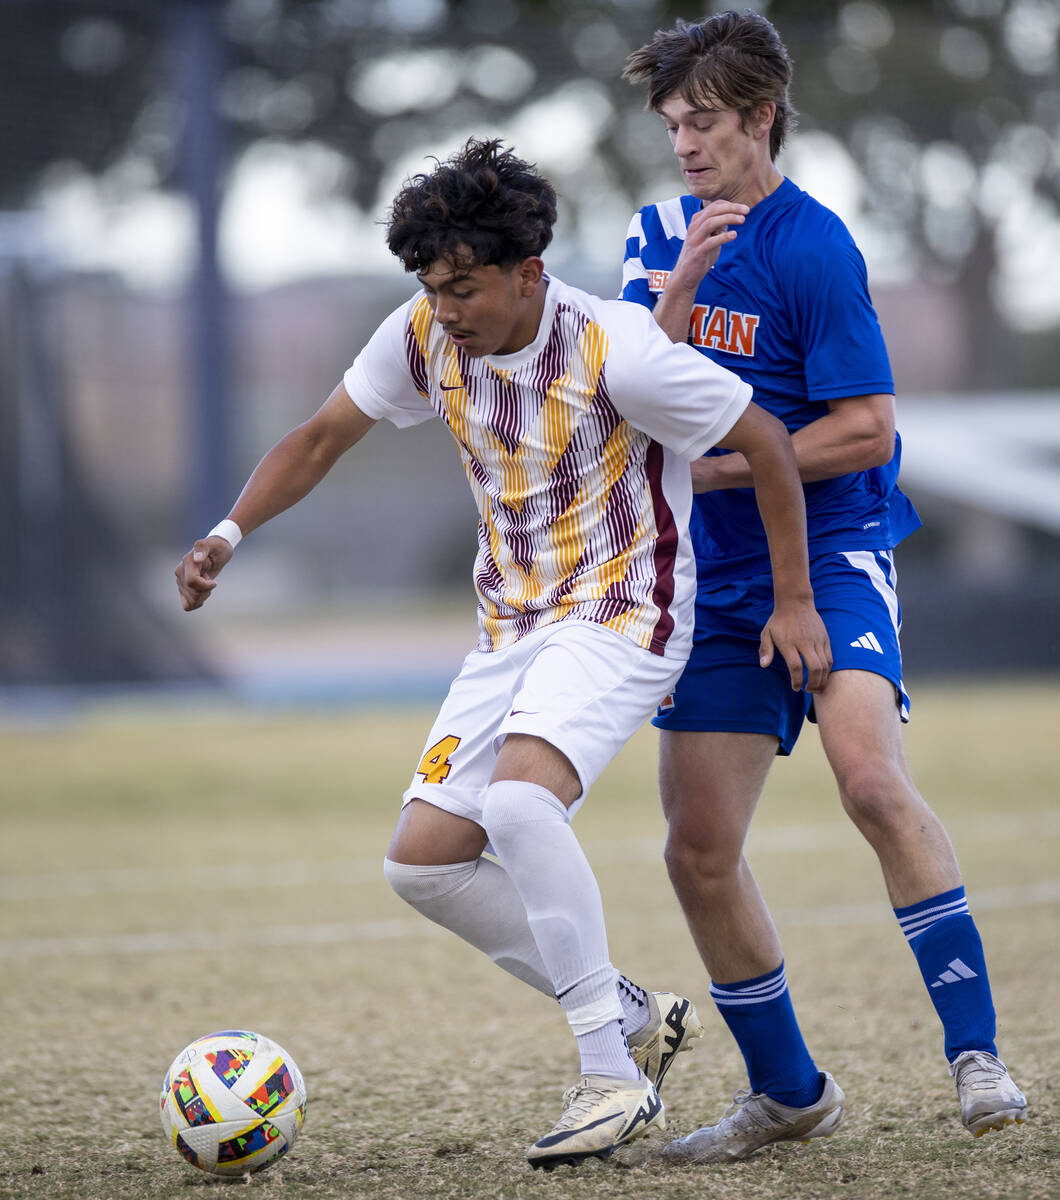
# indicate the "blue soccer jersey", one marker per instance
pixel 787 308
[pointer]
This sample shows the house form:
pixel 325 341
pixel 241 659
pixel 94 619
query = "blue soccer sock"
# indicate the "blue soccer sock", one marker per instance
pixel 761 1018
pixel 949 953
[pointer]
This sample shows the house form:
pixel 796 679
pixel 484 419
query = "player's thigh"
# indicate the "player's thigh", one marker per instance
pixel 858 715
pixel 861 709
pixel 585 691
pixel 710 783
pixel 534 760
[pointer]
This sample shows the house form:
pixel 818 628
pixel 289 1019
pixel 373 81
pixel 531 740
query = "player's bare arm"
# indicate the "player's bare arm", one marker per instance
pixel 708 231
pixel 287 473
pixel 856 434
pixel 795 629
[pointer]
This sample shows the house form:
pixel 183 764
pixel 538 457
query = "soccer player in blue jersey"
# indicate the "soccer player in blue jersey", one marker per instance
pixel 763 279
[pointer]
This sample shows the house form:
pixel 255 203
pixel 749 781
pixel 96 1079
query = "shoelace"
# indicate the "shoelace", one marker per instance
pixel 738 1109
pixel 980 1069
pixel 577 1101
pixel 740 1113
pixel 739 1099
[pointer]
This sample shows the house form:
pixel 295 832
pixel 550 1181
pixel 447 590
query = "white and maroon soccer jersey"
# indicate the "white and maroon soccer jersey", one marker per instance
pixel 577 449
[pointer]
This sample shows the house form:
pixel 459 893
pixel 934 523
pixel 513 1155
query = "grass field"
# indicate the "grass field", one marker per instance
pixel 164 874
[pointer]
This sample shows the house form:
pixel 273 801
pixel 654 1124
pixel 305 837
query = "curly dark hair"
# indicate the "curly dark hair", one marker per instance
pixel 481 207
pixel 731 60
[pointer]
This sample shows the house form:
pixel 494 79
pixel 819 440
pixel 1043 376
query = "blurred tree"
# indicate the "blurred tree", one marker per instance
pixel 74 80
pixel 950 108
pixel 947 112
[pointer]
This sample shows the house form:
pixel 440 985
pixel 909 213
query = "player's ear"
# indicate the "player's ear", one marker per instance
pixel 530 272
pixel 762 117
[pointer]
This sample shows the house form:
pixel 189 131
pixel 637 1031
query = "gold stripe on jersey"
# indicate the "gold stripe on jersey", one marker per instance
pixel 421 319
pixel 567 518
pixel 588 509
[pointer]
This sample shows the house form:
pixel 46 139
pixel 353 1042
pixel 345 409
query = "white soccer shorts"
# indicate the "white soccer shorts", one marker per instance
pixel 578 686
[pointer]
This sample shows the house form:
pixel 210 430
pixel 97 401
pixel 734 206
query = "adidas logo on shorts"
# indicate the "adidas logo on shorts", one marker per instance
pixel 868 641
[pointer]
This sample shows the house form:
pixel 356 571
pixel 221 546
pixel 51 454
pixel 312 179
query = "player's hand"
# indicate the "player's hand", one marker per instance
pixel 197 571
pixel 705 476
pixel 708 231
pixel 798 633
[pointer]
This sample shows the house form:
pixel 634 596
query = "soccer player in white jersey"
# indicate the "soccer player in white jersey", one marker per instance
pixel 576 419
pixel 761 278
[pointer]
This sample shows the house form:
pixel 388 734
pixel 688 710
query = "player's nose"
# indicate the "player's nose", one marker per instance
pixel 684 143
pixel 446 312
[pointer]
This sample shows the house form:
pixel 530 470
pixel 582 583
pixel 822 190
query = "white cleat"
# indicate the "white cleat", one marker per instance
pixel 989 1098
pixel 754 1121
pixel 599 1115
pixel 673 1025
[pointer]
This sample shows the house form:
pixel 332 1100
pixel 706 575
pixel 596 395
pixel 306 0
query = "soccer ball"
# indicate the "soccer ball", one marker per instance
pixel 233 1102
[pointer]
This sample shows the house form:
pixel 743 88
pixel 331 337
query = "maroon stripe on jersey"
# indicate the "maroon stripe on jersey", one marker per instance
pixel 564 483
pixel 549 364
pixel 526 622
pixel 666 544
pixel 502 412
pixel 562 343
pixel 503 421
pixel 417 362
pixel 488 579
pixel 556 595
pixel 593 429
pixel 622 595
pixel 519 534
pixel 476 468
pixel 622 514
pixel 618 526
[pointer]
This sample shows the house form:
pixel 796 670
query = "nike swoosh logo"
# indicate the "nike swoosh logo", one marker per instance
pixel 451 387
pixel 524 712
pixel 554 1139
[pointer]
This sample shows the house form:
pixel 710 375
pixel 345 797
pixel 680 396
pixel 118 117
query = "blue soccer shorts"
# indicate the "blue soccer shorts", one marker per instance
pixel 724 688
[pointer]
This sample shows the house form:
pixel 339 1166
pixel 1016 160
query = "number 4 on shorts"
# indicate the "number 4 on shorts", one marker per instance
pixel 435 765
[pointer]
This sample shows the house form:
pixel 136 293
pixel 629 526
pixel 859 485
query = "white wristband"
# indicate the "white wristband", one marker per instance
pixel 228 530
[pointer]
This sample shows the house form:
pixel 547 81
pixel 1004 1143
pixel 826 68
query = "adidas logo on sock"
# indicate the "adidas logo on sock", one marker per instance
pixel 958 971
pixel 868 641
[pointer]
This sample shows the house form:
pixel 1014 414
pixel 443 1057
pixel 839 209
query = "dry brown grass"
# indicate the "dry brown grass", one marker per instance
pixel 166 874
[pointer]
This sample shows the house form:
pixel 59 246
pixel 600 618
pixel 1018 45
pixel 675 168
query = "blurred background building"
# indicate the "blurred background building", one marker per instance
pixel 190 256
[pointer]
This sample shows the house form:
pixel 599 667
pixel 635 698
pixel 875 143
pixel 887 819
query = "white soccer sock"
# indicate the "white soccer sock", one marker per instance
pixel 530 831
pixel 634 1001
pixel 604 1051
pixel 477 902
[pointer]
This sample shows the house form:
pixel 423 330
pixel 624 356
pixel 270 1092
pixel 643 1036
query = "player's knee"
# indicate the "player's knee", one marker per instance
pixel 420 885
pixel 877 796
pixel 696 858
pixel 514 804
